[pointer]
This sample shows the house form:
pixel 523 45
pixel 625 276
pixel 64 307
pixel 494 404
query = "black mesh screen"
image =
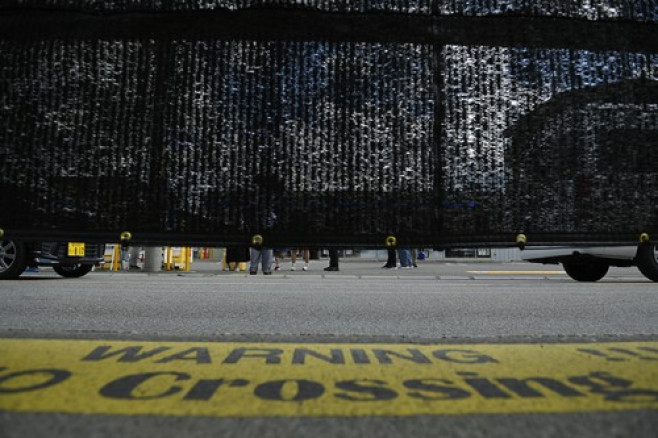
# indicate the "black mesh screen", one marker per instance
pixel 329 122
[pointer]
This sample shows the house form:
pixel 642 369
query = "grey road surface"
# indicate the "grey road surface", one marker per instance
pixel 433 302
pixel 439 302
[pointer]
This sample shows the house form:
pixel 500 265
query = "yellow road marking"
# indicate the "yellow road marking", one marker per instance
pixel 285 379
pixel 518 272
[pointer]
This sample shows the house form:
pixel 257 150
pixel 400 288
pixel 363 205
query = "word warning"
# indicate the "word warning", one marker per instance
pixel 284 379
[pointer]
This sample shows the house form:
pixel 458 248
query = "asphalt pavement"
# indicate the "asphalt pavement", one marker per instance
pixel 431 340
pixel 354 267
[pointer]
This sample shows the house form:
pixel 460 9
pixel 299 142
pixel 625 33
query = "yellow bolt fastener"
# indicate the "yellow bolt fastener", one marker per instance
pixel 391 241
pixel 521 240
pixel 644 238
pixel 125 239
pixel 257 240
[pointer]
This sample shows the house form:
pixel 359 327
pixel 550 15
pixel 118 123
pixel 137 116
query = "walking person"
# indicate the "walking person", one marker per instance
pixel 306 254
pixel 262 212
pixel 333 260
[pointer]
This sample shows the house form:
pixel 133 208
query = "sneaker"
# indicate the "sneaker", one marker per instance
pixel 277 268
pixel 267 273
pixel 292 268
pixel 252 273
pixel 305 268
pixel 387 266
pixel 331 268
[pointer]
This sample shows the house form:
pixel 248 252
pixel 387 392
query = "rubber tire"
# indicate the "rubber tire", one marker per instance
pixel 647 261
pixel 586 271
pixel 72 271
pixel 14 255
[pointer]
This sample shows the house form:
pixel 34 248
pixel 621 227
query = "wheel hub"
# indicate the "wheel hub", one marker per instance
pixel 7 255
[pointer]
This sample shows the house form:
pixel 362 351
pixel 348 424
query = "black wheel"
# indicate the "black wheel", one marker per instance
pixel 647 261
pixel 13 259
pixel 72 271
pixel 592 271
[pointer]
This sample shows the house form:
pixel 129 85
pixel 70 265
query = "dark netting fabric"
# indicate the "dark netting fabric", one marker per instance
pixel 426 131
pixel 546 140
pixel 403 6
pixel 584 9
pixel 303 131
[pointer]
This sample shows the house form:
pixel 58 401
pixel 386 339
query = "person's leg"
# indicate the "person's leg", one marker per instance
pixel 125 259
pixel 390 262
pixel 267 255
pixel 277 257
pixel 134 256
pixel 333 260
pixel 307 257
pixel 404 256
pixel 293 258
pixel 254 261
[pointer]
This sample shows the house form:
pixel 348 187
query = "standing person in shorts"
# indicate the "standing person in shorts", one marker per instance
pixel 306 254
pixel 279 255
